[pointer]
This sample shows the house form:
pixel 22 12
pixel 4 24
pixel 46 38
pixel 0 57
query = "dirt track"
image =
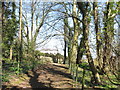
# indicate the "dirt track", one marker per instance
pixel 47 76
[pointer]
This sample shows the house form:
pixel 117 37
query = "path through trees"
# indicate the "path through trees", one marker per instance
pixel 45 76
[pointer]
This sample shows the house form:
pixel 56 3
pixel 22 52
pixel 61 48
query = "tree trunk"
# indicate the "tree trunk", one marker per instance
pixel 69 40
pixel 84 11
pixel 11 52
pixel 75 36
pixel 81 49
pixel 95 9
pixel 83 79
pixel 28 41
pixel 20 35
pixel 32 19
pixel 88 53
pixel 20 31
pixel 108 37
pixel 119 55
pixel 90 59
pixel 1 28
pixel 20 22
pixel 69 48
pixel 65 42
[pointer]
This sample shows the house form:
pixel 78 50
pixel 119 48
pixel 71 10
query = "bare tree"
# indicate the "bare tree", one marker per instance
pixel 37 21
pixel 86 22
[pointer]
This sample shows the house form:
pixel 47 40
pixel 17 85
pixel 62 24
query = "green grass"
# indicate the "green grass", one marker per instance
pixel 10 68
pixel 106 84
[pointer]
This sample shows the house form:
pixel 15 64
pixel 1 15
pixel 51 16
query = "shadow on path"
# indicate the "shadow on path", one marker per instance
pixel 52 70
pixel 5 87
pixel 34 82
pixel 61 66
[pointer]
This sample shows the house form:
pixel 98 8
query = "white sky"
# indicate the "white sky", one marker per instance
pixel 53 44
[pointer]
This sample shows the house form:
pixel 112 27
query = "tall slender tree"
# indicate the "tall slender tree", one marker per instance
pixel 65 42
pixel 86 21
pixel 75 35
pixel 20 35
pixel 108 34
pixel 97 30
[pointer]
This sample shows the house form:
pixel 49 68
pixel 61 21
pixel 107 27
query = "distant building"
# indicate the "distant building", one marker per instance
pixel 53 51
